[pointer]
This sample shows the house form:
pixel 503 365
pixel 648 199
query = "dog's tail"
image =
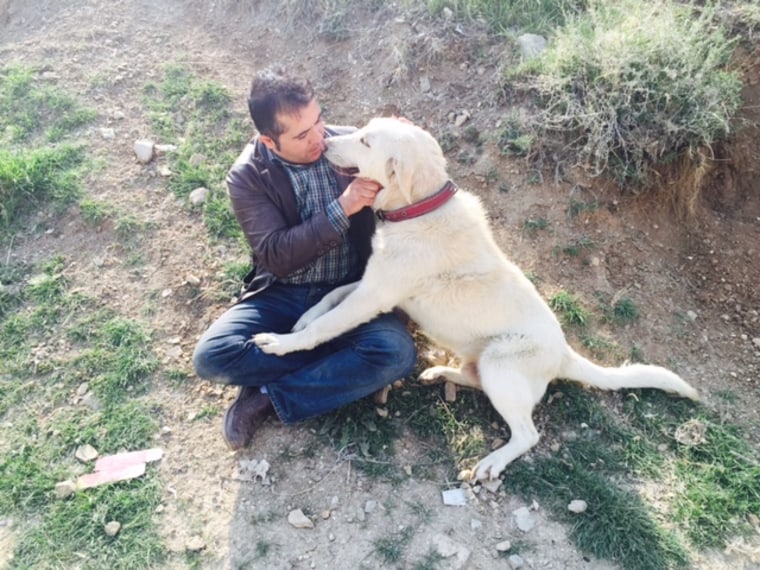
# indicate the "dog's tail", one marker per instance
pixel 576 367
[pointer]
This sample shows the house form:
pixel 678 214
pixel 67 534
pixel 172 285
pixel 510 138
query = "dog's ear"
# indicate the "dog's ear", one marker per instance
pixel 400 175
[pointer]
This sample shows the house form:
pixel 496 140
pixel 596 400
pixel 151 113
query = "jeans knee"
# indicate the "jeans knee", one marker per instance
pixel 205 366
pixel 398 351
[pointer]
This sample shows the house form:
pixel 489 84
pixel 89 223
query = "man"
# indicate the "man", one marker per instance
pixel 309 228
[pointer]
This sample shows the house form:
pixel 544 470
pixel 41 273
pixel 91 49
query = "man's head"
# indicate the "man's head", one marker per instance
pixel 286 114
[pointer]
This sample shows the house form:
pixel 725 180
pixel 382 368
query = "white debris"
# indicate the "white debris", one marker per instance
pixel 454 497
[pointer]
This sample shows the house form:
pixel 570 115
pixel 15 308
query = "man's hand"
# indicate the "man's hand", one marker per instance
pixel 360 193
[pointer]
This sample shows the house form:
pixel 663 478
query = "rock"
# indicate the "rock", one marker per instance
pixel 65 489
pixel 504 546
pixel 424 84
pixel 198 196
pixel 297 519
pixel 577 506
pixel 447 548
pixel 370 506
pixel 83 388
pixel 144 150
pixel 164 171
pixel 516 562
pixel 756 342
pixel 691 315
pixel 461 118
pixel 475 524
pixel 107 133
pixel 86 453
pixel 91 401
pixel 531 45
pixel 492 485
pixel 112 528
pixel 524 520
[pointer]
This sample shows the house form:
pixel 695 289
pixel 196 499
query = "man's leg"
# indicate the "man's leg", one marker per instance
pixel 358 363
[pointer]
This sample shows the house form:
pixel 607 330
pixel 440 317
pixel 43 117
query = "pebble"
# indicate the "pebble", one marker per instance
pixel 297 519
pixel 195 544
pixel 86 453
pixel 448 548
pixel 107 133
pixel 65 489
pixel 144 150
pixel 504 546
pixel 524 520
pixel 198 196
pixel 516 562
pixel 83 389
pixel 756 342
pixel 112 528
pixel 577 506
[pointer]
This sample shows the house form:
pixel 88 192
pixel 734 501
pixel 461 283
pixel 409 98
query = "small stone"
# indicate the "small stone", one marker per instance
pixel 531 44
pixel 144 150
pixel 424 84
pixel 165 148
pixel 524 520
pixel 370 506
pixel 461 118
pixel 492 485
pixel 91 401
pixel 198 196
pixel 516 562
pixel 164 171
pixel 691 315
pixel 331 537
pixel 112 528
pixel 83 389
pixel 86 453
pixel 65 489
pixel 475 524
pixel 756 342
pixel 297 519
pixel 504 546
pixel 577 506
pixel 107 133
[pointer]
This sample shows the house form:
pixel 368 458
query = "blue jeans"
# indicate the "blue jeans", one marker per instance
pixel 305 383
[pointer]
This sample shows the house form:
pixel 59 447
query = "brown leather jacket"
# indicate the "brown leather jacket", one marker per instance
pixel 264 204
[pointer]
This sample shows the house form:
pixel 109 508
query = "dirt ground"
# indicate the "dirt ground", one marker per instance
pixel 695 283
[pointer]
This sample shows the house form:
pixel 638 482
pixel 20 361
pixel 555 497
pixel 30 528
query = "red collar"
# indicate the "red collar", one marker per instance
pixel 419 208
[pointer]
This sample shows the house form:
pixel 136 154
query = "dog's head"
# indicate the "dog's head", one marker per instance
pixel 405 159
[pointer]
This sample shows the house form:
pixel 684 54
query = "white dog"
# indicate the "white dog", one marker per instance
pixel 434 257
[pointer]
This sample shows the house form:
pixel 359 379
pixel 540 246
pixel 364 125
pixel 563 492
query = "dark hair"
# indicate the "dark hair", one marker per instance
pixel 272 93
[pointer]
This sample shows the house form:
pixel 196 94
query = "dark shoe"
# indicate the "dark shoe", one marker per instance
pixel 244 416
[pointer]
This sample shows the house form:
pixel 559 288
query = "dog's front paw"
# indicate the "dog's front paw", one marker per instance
pixel 433 375
pixel 489 468
pixel 272 343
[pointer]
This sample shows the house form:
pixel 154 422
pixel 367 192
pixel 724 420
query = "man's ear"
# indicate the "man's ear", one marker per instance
pixel 400 176
pixel 269 142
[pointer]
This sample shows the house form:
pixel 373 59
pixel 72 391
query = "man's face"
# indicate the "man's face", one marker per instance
pixel 303 140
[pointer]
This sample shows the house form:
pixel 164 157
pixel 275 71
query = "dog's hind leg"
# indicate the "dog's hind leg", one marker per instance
pixel 466 376
pixel 514 395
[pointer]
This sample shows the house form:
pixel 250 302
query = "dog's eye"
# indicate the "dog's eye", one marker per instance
pixel 364 142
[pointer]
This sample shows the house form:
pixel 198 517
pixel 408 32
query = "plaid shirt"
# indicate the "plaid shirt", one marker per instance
pixel 317 191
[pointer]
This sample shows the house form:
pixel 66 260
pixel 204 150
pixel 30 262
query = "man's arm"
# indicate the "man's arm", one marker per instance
pixel 279 245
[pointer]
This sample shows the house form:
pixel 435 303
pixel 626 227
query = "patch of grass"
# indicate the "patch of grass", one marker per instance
pixel 95 212
pixel 504 16
pixel 197 116
pixel 71 533
pixel 532 225
pixel 32 178
pixel 30 108
pixel 569 308
pixel 627 86
pixel 113 356
pixel 575 247
pixel 391 549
